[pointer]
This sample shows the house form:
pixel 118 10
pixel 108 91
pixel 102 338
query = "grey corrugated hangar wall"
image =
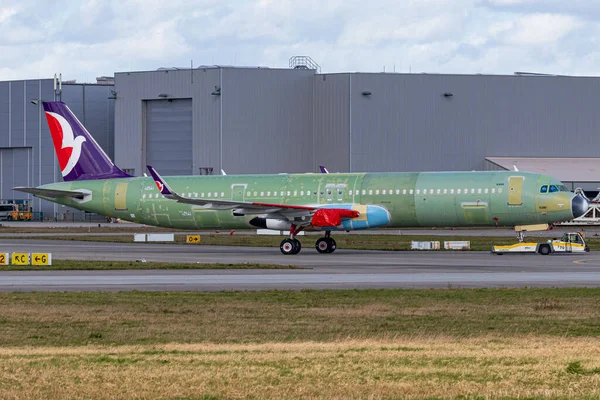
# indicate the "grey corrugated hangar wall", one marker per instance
pixel 15 170
pixel 169 136
pixel 244 120
pixel 261 120
pixel 26 149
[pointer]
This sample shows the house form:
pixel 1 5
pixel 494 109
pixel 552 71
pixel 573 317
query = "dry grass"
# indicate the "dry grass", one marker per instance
pixel 523 367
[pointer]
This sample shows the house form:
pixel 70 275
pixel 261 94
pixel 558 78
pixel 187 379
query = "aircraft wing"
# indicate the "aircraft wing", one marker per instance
pixel 240 207
pixel 51 192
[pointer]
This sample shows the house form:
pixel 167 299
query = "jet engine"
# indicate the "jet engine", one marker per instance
pixel 270 223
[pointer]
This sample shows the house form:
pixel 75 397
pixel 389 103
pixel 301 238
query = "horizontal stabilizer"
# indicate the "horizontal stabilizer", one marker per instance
pixel 51 192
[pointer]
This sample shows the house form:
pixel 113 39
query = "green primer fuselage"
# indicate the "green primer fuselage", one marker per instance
pixel 419 199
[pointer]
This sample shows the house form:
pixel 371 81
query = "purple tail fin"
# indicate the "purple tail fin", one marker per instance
pixel 79 156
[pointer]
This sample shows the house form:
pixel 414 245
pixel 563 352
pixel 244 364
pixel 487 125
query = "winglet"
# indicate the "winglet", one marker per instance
pixel 323 169
pixel 162 186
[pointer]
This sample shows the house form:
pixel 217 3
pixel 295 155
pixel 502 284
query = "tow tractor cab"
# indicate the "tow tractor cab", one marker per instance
pixel 571 242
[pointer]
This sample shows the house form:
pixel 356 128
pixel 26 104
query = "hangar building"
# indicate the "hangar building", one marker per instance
pixel 263 120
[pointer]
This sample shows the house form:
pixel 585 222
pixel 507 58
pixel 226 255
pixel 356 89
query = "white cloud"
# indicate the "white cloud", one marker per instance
pixel 388 28
pixel 85 39
pixel 6 13
pixel 541 29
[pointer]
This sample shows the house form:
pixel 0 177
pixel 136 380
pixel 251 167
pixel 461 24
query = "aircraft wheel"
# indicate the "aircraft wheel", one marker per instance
pixel 322 246
pixel 544 250
pixel 289 246
pixel 332 245
pixel 325 245
pixel 298 246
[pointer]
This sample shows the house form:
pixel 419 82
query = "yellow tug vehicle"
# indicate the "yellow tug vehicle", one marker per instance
pixel 571 242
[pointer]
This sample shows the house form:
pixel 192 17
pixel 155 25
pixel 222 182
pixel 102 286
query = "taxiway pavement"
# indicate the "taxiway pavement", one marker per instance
pixel 343 269
pixel 62 229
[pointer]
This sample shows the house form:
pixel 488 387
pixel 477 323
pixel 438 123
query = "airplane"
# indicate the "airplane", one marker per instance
pixel 324 202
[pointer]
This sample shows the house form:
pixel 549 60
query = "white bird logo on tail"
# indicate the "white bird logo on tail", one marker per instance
pixel 70 147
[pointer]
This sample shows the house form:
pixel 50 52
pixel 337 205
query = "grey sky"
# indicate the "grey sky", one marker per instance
pixel 85 39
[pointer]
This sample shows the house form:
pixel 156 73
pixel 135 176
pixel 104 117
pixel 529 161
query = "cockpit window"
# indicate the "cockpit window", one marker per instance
pixel 544 189
pixel 553 188
pixel 563 188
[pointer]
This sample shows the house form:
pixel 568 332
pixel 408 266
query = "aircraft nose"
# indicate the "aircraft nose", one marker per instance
pixel 579 206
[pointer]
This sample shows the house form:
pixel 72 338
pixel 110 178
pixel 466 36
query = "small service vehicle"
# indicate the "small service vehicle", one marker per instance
pixel 571 242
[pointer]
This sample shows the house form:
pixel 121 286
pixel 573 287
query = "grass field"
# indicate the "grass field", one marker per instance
pixel 419 368
pixel 450 344
pixel 359 242
pixel 69 265
pixel 129 318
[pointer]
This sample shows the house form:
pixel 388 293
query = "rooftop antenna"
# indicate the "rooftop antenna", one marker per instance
pixel 58 86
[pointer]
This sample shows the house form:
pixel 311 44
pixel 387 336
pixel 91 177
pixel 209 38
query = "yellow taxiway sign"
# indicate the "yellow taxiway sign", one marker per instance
pixel 193 239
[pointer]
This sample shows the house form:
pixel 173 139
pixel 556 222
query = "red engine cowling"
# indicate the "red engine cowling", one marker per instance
pixel 325 217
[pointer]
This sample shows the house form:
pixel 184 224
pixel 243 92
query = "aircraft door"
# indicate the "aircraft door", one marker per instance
pixel 515 190
pixel 238 191
pixel 121 196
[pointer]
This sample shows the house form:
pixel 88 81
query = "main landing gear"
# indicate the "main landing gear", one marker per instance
pixel 290 246
pixel 326 244
pixel 293 246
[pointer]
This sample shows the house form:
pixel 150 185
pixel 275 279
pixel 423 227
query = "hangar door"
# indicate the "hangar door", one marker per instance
pixel 15 170
pixel 169 136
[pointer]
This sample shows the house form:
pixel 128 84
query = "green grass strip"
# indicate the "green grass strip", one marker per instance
pixel 119 318
pixel 60 265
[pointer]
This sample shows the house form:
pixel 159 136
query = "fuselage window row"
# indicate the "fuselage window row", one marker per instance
pixel 543 189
